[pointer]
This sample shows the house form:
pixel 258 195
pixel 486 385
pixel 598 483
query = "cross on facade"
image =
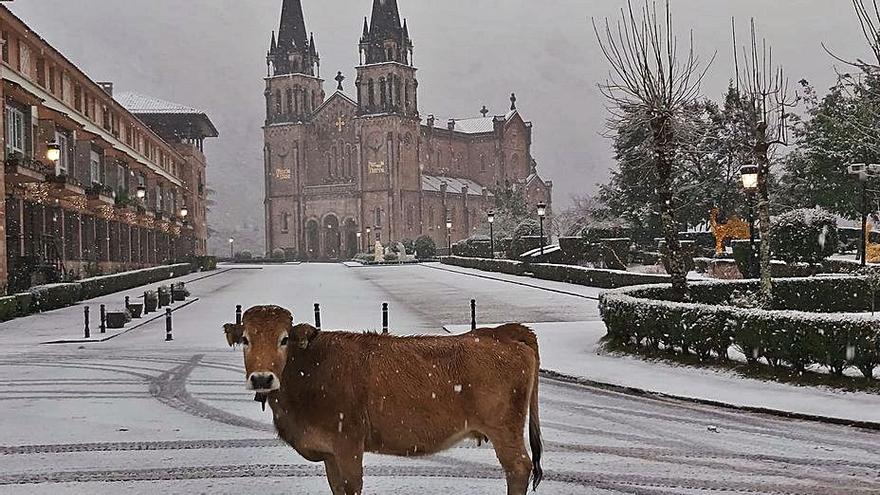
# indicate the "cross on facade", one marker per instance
pixel 339 79
pixel 340 123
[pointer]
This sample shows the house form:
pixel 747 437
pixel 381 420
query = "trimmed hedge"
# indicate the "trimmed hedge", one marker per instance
pixel 474 247
pixel 108 284
pixel 804 235
pixel 593 277
pixel 804 333
pixel 49 297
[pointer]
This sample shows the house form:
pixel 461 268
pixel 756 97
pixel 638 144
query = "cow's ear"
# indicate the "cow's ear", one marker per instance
pixel 302 335
pixel 234 333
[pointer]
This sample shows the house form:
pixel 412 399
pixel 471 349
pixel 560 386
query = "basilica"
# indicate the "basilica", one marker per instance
pixel 364 164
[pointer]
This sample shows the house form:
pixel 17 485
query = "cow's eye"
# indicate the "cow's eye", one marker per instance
pixel 284 341
pixel 245 341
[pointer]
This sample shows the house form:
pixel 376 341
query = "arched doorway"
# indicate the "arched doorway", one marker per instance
pixel 332 238
pixel 350 240
pixel 312 246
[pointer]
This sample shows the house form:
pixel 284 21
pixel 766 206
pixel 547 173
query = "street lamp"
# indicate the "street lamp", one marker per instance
pixel 184 212
pixel 542 212
pixel 231 248
pixel 53 152
pixel 369 240
pixel 749 175
pixel 360 241
pixel 863 171
pixel 448 237
pixel 141 192
pixel 491 216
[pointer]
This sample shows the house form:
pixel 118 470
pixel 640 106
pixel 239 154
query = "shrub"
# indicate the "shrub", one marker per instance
pixel 688 248
pixel 594 277
pixel 409 245
pixel 108 284
pixel 523 245
pixel 278 254
pixel 527 228
pixel 244 255
pixel 54 296
pixel 804 235
pixel 799 332
pixel 742 251
pixel 425 247
pixel 501 266
pixel 392 257
pixel 474 247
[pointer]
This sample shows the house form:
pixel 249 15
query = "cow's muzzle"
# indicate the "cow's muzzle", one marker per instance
pixel 263 382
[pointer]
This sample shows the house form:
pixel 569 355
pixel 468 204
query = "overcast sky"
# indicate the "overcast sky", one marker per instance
pixel 211 54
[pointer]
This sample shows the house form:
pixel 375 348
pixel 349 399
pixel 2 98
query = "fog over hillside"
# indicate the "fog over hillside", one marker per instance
pixel 210 54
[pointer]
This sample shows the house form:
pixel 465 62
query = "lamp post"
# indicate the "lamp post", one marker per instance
pixel 231 248
pixel 184 212
pixel 369 240
pixel 53 152
pixel 749 176
pixel 141 192
pixel 448 237
pixel 360 241
pixel 542 212
pixel 862 172
pixel 492 232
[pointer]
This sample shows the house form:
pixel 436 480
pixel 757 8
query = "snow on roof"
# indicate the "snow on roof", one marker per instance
pixel 476 125
pixel 137 103
pixel 454 185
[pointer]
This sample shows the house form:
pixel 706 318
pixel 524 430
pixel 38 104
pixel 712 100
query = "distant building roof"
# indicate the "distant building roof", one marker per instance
pixel 476 125
pixel 149 108
pixel 454 185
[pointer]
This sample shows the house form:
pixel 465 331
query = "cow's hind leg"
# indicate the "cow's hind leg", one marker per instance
pixel 334 477
pixel 511 451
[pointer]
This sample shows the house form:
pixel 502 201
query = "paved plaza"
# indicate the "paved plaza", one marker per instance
pixel 136 414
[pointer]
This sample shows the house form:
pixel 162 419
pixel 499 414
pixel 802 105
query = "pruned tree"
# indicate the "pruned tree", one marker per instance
pixel 766 102
pixel 651 83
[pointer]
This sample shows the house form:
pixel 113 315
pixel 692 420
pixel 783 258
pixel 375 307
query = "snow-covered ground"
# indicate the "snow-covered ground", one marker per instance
pixel 138 415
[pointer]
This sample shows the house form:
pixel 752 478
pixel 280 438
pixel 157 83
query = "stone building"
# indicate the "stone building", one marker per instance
pixel 368 162
pixel 92 184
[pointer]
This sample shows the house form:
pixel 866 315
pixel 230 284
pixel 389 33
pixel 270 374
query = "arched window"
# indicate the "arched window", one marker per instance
pixel 349 168
pixel 296 100
pixel 378 217
pixel 398 89
pixel 285 222
pixel 278 102
pixel 431 223
pixel 371 93
pixel 406 102
pixel 289 101
pixel 383 97
pixel 335 161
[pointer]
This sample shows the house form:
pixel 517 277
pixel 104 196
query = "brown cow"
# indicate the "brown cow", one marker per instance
pixel 336 395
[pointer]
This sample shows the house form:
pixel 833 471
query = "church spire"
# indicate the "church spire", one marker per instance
pixel 384 38
pixel 293 52
pixel 293 25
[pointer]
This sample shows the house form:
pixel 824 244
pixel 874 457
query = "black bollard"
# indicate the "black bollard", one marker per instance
pixel 127 303
pixel 238 314
pixel 168 337
pixel 103 319
pixel 171 295
pixel 317 316
pixel 385 318
pixel 88 333
pixel 145 303
pixel 473 314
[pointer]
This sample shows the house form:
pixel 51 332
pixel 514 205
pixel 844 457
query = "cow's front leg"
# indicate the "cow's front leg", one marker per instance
pixel 350 462
pixel 333 476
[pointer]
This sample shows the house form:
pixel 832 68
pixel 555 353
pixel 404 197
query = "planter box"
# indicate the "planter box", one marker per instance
pixel 179 295
pixel 136 310
pixel 117 319
pixel 151 305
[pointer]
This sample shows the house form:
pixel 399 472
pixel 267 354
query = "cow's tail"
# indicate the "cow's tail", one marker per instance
pixel 525 335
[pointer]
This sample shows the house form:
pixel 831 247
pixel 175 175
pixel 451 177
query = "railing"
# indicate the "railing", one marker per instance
pixel 27 163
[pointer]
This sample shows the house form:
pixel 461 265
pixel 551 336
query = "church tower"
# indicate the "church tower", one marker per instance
pixel 388 126
pixel 294 87
pixel 294 90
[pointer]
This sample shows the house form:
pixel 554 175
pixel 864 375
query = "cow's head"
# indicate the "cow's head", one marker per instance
pixel 266 334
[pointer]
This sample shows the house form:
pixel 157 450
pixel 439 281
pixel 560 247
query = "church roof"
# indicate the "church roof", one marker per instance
pixel 293 25
pixel 454 185
pixel 476 125
pixel 385 21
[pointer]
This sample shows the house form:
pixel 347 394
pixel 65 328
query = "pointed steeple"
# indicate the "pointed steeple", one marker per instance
pixel 293 25
pixel 312 46
pixel 274 45
pixel 385 27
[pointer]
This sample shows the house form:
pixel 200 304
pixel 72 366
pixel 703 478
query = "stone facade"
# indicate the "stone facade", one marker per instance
pixel 370 164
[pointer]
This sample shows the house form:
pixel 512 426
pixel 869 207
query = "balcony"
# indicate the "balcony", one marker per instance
pixel 100 195
pixel 63 186
pixel 24 170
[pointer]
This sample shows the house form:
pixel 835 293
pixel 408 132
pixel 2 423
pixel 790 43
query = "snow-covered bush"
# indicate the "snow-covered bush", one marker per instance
pixel 277 254
pixel 594 277
pixel 244 256
pixel 473 247
pixel 804 235
pixel 425 247
pixel 501 266
pixel 802 330
pixel 615 253
pixel 527 228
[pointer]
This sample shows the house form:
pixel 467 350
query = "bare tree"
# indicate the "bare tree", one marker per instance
pixel 650 81
pixel 766 102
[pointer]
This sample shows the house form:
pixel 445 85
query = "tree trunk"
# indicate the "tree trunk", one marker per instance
pixel 661 128
pixel 761 151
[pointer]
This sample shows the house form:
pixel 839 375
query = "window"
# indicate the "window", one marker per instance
pixel 95 167
pixel 121 176
pixel 371 91
pixel 41 72
pixel 77 98
pixel 15 128
pixel 378 217
pixel 52 79
pixel 63 165
pixel 6 41
pixel 431 223
pixel 277 102
pixel 383 98
pixel 159 197
pixel 285 222
pixel 289 101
